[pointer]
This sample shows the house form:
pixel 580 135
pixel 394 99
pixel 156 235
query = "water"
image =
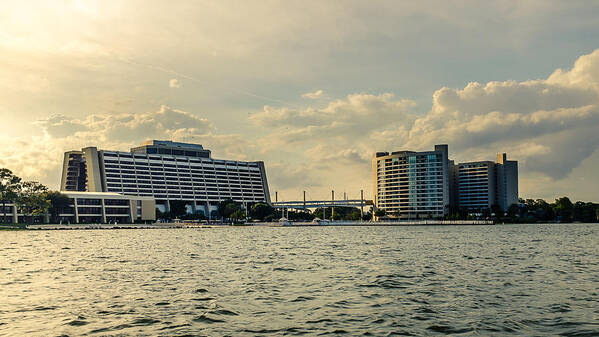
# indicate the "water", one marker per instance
pixel 470 280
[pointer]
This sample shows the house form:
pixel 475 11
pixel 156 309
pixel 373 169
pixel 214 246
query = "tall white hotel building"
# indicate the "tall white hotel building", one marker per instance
pixel 167 171
pixel 412 185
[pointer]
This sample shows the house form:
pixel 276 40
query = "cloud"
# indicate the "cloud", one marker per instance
pixel 127 127
pixel 559 114
pixel 36 159
pixel 61 126
pixel 284 176
pixel 174 83
pixel 60 133
pixel 549 125
pixel 350 119
pixel 313 95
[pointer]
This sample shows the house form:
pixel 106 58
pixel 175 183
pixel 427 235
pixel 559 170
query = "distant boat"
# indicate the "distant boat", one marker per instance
pixel 320 221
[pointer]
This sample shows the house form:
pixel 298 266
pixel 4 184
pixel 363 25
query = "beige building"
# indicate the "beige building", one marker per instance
pixel 98 207
pixel 412 185
pixel 484 184
pixel 409 184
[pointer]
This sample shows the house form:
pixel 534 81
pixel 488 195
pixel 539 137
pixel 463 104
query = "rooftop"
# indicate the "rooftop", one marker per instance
pixel 169 143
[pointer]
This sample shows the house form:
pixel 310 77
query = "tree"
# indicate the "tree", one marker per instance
pixel 194 216
pixel 58 202
pixel 260 210
pixel 227 207
pixel 496 210
pixel 178 208
pixel 597 213
pixel 9 185
pixel 512 211
pixel 238 215
pixel 563 208
pixel 380 212
pixel 584 211
pixel 31 199
pixel 160 214
pixel 486 212
pixel 543 210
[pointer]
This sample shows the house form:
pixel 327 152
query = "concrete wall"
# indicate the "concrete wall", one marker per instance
pixel 94 176
pixel 148 210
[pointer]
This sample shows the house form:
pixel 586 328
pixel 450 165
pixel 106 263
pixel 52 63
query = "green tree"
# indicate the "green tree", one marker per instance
pixel 543 210
pixel 194 216
pixel 160 214
pixel 563 208
pixel 584 211
pixel 496 210
pixel 227 207
pixel 9 186
pixel 597 213
pixel 261 210
pixel 178 208
pixel 31 199
pixel 58 202
pixel 512 211
pixel 380 212
pixel 237 215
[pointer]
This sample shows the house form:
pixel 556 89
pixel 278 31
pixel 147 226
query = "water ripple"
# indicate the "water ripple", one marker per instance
pixel 334 281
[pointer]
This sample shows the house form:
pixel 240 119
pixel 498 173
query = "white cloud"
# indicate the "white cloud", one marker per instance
pixel 549 125
pixel 313 95
pixel 559 114
pixel 174 83
pixel 127 127
pixel 349 119
pixel 111 131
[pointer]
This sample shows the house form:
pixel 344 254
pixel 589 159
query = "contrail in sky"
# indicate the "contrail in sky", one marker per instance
pixel 191 78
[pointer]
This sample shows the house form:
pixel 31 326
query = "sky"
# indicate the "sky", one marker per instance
pixel 312 88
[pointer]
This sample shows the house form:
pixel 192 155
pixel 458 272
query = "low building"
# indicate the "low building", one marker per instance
pixel 97 207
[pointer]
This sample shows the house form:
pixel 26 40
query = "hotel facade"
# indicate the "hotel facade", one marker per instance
pixel 428 184
pixel 166 171
pixel 410 184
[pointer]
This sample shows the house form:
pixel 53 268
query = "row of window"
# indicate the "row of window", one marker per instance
pixel 142 158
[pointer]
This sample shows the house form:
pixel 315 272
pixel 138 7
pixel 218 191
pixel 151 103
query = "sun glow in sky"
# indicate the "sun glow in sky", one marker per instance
pixel 312 88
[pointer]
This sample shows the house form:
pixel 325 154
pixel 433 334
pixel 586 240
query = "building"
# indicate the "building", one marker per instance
pixel 166 171
pixel 413 185
pixel 98 207
pixel 507 181
pixel 476 187
pixel 485 184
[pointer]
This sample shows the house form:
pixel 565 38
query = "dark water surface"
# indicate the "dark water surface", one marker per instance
pixel 470 280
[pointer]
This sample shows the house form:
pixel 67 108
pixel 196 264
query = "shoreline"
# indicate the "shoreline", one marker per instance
pixel 431 223
pixel 179 225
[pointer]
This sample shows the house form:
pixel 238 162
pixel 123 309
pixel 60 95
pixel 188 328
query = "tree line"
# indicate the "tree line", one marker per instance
pixel 31 198
pixel 562 210
pixel 235 212
pixel 535 210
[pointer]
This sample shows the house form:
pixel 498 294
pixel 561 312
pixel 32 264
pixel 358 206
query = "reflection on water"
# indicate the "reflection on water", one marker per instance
pixel 488 280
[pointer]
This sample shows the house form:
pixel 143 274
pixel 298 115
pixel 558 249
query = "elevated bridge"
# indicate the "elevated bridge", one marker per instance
pixel 322 203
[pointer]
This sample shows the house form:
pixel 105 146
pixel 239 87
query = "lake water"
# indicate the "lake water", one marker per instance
pixel 371 281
